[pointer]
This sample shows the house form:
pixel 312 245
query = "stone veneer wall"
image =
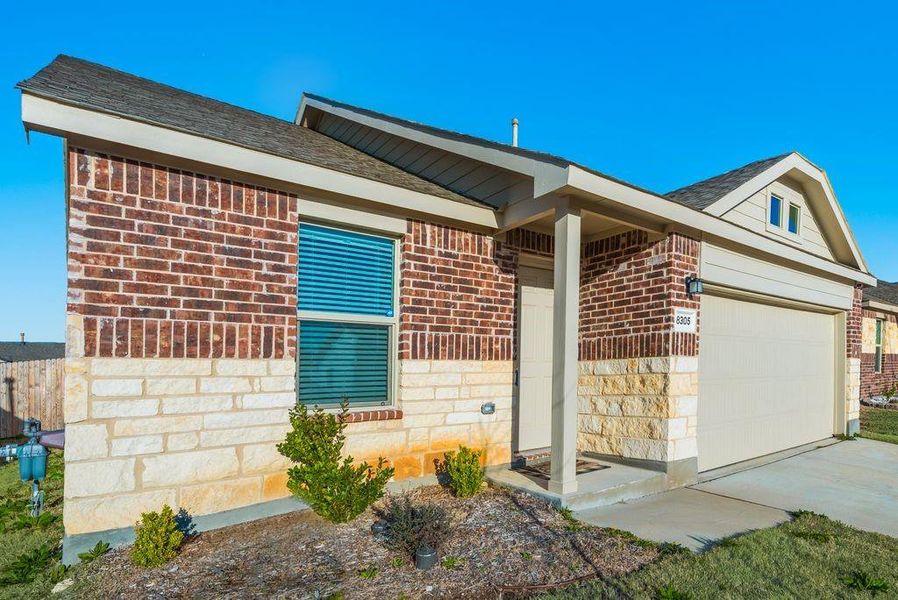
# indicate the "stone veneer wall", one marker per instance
pixel 873 383
pixel 638 384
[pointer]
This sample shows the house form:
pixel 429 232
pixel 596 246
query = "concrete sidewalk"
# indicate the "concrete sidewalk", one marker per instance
pixel 855 482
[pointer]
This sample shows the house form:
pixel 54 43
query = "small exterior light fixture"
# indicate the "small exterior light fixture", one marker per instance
pixel 694 286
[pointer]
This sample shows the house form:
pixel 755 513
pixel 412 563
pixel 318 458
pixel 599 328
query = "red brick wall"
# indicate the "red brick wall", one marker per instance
pixel 854 325
pixel 166 263
pixel 629 288
pixel 458 293
pixel 873 383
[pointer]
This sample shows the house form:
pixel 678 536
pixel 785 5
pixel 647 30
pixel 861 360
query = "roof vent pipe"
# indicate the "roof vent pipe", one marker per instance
pixel 22 337
pixel 514 132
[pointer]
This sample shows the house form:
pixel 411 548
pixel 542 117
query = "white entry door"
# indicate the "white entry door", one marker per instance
pixel 766 380
pixel 535 359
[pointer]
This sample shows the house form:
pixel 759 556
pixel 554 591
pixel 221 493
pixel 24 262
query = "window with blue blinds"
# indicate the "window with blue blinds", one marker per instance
pixel 345 272
pixel 346 317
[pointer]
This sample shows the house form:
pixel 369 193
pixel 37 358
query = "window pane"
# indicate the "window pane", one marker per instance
pixel 776 211
pixel 878 333
pixel 794 217
pixel 877 360
pixel 343 359
pixel 345 272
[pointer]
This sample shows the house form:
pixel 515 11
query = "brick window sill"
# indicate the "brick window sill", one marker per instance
pixel 362 416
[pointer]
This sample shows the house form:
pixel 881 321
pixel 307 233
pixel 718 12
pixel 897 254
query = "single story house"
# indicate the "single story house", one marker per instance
pixel 223 264
pixel 24 351
pixel 879 352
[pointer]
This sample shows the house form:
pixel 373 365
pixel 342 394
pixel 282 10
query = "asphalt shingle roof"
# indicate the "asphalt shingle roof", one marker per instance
pixel 703 194
pixel 884 292
pixel 88 85
pixel 20 352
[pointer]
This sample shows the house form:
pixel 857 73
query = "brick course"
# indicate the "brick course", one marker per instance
pixel 172 264
pixel 629 288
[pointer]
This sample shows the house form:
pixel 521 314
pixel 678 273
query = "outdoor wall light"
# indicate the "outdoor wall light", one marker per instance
pixel 694 285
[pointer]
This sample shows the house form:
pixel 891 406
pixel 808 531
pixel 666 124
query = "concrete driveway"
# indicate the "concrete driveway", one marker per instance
pixel 855 482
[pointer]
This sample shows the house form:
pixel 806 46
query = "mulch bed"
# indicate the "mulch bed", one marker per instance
pixel 502 539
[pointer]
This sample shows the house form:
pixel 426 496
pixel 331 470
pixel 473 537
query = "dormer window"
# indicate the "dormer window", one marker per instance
pixel 794 222
pixel 776 211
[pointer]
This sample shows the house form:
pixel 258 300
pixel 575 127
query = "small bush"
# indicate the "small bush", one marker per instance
pixel 157 538
pixel 410 525
pixel 863 581
pixel 94 553
pixel 450 563
pixel 464 471
pixel 333 487
pixel 25 567
pixel 369 572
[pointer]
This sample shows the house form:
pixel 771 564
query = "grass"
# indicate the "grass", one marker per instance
pixel 808 557
pixel 879 424
pixel 29 560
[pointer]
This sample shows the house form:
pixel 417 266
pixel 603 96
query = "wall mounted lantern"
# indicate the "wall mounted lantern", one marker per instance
pixel 694 286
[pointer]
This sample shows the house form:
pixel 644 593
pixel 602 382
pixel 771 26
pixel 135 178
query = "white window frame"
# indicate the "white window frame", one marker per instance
pixel 787 199
pixel 880 326
pixel 392 323
pixel 788 213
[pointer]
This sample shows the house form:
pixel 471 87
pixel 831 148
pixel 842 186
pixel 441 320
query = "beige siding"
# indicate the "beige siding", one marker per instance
pixel 732 269
pixel 752 214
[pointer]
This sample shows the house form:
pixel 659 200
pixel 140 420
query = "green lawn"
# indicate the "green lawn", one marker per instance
pixel 23 538
pixel 805 558
pixel 879 424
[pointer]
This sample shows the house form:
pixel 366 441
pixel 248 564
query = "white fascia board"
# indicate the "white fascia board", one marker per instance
pixel 492 156
pixel 880 305
pixel 677 213
pixel 57 118
pixel 762 180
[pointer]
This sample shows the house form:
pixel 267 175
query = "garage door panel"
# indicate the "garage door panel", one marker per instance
pixel 766 379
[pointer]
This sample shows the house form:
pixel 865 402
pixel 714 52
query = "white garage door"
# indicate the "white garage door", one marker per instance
pixel 766 380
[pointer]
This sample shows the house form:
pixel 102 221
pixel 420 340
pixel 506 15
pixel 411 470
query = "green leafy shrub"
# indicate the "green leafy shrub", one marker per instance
pixel 410 525
pixel 369 572
pixel 25 567
pixel 94 553
pixel 464 471
pixel 157 538
pixel 450 563
pixel 863 581
pixel 332 486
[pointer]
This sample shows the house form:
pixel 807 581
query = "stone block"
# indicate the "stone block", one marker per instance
pixel 366 445
pixel 196 404
pixel 168 386
pixel 446 393
pixel 421 393
pixel 132 446
pixel 414 366
pixel 658 364
pixel 75 404
pixel 246 418
pixel 241 367
pixel 282 367
pixel 98 478
pixel 685 364
pixel 101 514
pixel 274 486
pixel 645 449
pixel 268 400
pixel 218 385
pixel 151 425
pixel 177 367
pixel 449 437
pixel 117 387
pixel 687 406
pixel 277 384
pixel 113 409
pixel 177 442
pixel 208 498
pixel 248 435
pixel 85 441
pixel 184 468
pixel 263 458
pixel 410 465
pixel 429 379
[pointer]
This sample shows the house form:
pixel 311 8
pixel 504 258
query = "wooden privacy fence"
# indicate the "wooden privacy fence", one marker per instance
pixel 32 388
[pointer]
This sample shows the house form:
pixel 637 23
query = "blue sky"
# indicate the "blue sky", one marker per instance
pixel 658 94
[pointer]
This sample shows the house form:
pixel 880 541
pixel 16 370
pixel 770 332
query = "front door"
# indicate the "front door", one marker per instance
pixel 535 359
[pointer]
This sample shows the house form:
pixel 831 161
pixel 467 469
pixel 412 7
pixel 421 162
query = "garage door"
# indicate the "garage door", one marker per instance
pixel 766 380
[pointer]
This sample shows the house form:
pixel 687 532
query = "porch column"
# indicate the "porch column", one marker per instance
pixel 563 479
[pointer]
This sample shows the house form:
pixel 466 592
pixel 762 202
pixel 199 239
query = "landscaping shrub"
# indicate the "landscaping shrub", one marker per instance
pixel 157 538
pixel 25 567
pixel 464 471
pixel 94 553
pixel 410 525
pixel 333 487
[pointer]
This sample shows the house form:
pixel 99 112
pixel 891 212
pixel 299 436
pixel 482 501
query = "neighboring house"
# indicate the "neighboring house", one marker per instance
pixel 22 351
pixel 879 358
pixel 455 290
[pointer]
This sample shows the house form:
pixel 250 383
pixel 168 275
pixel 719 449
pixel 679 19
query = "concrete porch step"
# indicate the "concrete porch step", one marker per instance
pixel 612 484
